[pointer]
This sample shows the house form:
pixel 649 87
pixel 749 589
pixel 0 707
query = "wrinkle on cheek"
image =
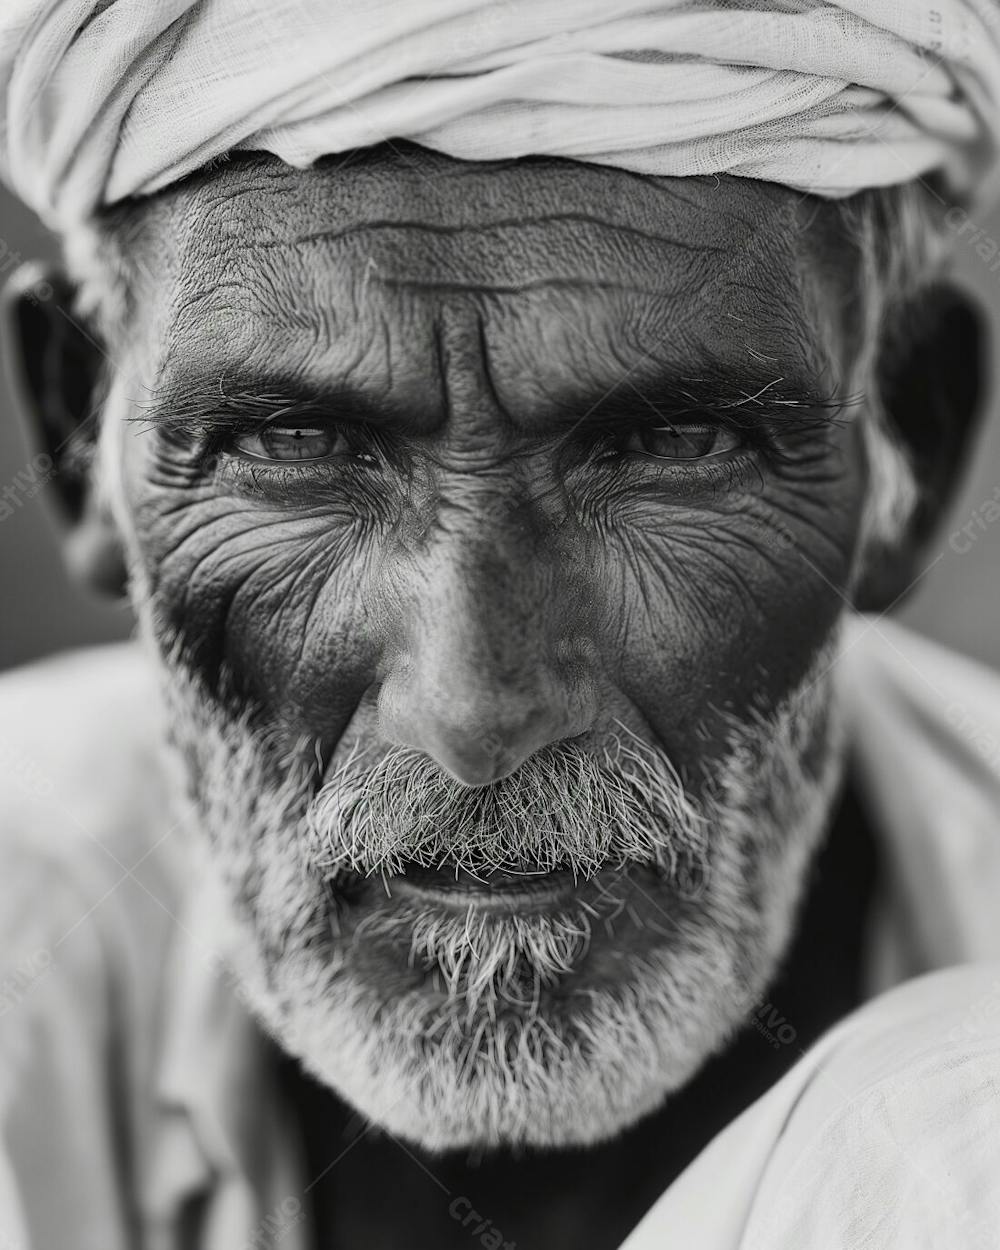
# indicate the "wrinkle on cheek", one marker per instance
pixel 726 610
pixel 259 592
pixel 298 628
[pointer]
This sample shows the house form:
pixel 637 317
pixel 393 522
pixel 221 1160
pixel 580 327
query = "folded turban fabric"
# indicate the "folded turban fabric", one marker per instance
pixel 105 99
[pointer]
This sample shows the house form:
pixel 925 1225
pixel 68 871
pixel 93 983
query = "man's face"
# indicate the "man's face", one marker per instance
pixel 493 526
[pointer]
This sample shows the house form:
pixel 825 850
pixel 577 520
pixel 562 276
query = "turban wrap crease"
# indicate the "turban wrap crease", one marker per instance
pixel 106 99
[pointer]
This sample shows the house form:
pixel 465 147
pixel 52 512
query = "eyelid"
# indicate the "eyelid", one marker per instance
pixel 298 416
pixel 356 443
pixel 649 421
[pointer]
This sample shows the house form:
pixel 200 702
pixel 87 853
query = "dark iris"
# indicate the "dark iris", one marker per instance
pixel 278 442
pixel 684 442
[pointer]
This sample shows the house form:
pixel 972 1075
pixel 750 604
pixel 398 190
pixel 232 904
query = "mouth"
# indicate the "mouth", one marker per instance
pixel 506 937
pixel 497 891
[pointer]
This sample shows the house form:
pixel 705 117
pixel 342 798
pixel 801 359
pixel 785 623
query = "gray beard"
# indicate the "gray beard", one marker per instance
pixel 491 1031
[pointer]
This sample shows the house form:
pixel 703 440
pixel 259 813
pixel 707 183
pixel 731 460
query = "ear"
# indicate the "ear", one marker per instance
pixel 56 367
pixel 932 377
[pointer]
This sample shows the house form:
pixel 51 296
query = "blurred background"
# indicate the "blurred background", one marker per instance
pixel 957 601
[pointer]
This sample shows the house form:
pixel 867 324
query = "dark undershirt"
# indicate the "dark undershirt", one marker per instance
pixel 380 1195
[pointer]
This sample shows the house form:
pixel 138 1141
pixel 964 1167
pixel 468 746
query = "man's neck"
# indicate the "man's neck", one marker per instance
pixel 382 1194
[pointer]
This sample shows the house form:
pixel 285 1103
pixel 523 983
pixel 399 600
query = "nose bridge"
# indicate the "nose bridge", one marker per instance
pixel 487 610
pixel 486 578
pixel 480 681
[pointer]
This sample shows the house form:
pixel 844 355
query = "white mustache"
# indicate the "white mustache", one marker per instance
pixel 564 808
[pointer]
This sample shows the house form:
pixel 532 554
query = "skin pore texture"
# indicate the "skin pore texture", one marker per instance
pixel 492 527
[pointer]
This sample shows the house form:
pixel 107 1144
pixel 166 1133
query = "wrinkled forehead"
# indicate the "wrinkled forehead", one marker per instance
pixel 561 274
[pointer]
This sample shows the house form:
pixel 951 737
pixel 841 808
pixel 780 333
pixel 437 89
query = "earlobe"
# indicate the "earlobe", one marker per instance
pixel 56 366
pixel 932 381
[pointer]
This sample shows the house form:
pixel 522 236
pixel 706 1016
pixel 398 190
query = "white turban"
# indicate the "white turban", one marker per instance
pixel 105 99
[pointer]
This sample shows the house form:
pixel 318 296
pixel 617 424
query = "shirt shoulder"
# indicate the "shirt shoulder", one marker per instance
pixel 79 767
pixel 923 723
pixel 883 1136
pixel 884 666
pixel 87 856
pixel 83 800
pixel 91 874
pixel 894 1140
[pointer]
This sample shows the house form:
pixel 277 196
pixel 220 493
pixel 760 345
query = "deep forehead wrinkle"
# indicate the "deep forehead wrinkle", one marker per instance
pixel 346 270
pixel 505 254
pixel 564 251
pixel 477 215
pixel 488 224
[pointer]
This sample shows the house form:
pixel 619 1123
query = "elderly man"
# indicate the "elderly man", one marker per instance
pixel 498 416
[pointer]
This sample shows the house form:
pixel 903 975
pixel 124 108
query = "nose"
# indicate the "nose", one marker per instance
pixel 491 668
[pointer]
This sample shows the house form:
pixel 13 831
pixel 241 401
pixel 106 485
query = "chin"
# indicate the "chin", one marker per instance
pixel 497 1009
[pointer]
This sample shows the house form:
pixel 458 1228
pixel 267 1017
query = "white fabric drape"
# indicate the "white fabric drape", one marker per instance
pixel 105 99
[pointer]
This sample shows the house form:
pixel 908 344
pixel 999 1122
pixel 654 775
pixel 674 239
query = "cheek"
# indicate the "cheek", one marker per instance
pixel 715 613
pixel 274 600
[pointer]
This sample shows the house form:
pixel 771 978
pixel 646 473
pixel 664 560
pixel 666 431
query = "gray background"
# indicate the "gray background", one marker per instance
pixel 957 601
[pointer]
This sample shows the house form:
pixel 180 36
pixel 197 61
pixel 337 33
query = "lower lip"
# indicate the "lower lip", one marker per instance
pixel 498 892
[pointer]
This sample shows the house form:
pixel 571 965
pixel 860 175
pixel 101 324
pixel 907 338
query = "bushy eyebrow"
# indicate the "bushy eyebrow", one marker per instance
pixel 195 405
pixel 721 394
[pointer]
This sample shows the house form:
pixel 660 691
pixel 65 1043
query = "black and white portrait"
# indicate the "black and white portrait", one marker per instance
pixel 500 720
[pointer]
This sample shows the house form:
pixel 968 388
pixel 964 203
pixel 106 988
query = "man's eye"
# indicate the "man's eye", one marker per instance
pixel 685 442
pixel 293 442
